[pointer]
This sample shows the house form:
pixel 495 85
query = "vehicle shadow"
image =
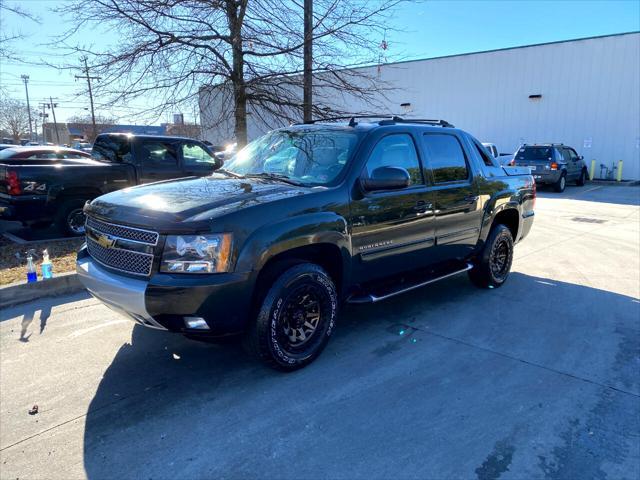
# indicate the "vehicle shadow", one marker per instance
pixel 400 389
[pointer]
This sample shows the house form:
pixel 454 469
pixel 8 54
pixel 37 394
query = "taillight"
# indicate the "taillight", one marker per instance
pixel 13 183
pixel 554 166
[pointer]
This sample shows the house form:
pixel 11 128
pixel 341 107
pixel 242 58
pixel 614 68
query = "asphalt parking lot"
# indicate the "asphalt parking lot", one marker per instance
pixel 538 379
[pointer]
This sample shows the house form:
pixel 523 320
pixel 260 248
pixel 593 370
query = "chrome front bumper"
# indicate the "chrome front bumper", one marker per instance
pixel 122 294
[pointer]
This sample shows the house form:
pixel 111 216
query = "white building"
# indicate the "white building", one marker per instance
pixel 584 93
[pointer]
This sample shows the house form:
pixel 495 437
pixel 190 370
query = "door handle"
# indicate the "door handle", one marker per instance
pixel 422 207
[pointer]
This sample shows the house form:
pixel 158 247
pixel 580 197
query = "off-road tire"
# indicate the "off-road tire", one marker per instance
pixel 266 337
pixel 66 210
pixel 499 242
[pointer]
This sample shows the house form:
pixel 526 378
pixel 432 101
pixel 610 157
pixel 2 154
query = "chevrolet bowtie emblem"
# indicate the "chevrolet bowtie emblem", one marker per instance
pixel 104 240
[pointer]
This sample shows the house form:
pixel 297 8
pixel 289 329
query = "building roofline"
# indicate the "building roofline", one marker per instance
pixel 502 49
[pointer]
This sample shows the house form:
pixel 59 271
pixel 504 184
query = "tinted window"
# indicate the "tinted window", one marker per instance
pixel 396 151
pixel 488 161
pixel 48 155
pixel 445 157
pixel 112 148
pixel 572 154
pixel 158 154
pixel 194 155
pixel 535 153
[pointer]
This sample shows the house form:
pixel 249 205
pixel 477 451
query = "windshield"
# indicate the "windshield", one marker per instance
pixel 305 156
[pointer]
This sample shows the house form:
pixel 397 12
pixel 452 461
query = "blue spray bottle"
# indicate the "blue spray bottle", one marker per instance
pixel 47 268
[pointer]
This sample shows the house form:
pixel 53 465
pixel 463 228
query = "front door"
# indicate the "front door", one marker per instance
pixel 392 231
pixel 458 210
pixel 196 160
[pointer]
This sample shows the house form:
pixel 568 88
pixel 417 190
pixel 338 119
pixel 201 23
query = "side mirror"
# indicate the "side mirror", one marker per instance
pixel 386 178
pixel 219 156
pixel 581 157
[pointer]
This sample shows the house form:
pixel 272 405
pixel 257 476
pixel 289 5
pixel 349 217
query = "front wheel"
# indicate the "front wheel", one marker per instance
pixel 493 265
pixel 295 319
pixel 582 179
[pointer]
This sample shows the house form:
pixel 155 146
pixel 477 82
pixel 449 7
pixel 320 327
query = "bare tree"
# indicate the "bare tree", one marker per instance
pixel 84 123
pixel 14 118
pixel 250 52
pixel 8 38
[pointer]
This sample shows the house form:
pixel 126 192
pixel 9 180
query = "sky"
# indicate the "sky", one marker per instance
pixel 420 29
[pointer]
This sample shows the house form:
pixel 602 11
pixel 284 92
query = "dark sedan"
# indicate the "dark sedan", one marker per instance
pixel 41 152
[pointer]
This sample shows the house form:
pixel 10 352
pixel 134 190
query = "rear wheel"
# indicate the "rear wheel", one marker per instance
pixel 560 185
pixel 582 179
pixel 70 218
pixel 295 319
pixel 494 263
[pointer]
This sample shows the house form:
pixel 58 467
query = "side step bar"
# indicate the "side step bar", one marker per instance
pixel 373 298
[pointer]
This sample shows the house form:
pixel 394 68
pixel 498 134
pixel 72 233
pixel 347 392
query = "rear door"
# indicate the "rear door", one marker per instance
pixel 458 211
pixel 537 158
pixel 158 159
pixel 393 230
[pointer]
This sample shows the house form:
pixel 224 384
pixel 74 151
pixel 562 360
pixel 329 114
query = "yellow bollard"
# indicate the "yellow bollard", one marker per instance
pixel 619 170
pixel 592 172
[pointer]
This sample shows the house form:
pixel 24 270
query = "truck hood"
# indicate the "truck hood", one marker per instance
pixel 187 201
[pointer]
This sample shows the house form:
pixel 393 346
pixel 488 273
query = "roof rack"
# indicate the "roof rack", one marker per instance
pixel 386 120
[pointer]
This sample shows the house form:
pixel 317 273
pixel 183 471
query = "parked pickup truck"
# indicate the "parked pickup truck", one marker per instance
pixel 300 220
pixel 39 191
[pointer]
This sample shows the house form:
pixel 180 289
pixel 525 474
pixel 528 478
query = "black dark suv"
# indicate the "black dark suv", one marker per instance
pixel 299 221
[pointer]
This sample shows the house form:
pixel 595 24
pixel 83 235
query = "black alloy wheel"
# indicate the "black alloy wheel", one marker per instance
pixel 493 265
pixel 295 318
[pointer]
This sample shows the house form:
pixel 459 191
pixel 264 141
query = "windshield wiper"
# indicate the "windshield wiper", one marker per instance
pixel 275 176
pixel 228 173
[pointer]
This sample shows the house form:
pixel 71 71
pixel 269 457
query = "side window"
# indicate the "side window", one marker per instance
pixel 446 158
pixel 573 155
pixel 156 154
pixel 194 155
pixel 396 150
pixel 486 159
pixel 49 155
pixel 565 155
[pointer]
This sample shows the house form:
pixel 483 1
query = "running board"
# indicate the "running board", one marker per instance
pixel 373 298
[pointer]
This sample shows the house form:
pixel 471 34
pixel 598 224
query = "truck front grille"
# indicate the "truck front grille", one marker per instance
pixel 110 245
pixel 121 231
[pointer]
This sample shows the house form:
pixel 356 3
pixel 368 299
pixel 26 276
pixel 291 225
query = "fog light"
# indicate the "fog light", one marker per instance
pixel 196 322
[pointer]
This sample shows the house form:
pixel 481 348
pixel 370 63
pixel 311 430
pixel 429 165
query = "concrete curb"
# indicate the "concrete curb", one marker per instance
pixel 21 292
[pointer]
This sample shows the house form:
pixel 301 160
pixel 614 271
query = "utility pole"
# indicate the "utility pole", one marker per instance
pixel 55 124
pixel 89 78
pixel 308 62
pixel 44 115
pixel 25 79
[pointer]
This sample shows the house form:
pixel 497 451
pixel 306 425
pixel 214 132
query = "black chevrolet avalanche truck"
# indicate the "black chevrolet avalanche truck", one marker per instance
pixel 41 190
pixel 298 222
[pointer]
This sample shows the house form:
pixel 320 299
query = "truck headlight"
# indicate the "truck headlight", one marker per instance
pixel 196 253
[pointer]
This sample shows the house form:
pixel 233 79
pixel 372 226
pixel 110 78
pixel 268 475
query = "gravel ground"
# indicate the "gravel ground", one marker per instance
pixel 13 257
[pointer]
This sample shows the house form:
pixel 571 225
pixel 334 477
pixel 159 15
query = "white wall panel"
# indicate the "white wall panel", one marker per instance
pixel 590 90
